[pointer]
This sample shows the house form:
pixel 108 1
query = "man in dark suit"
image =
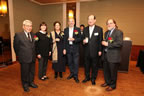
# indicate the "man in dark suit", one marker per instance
pixel 25 51
pixel 93 36
pixel 111 54
pixel 72 39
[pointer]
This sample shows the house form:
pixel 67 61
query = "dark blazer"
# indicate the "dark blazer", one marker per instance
pixel 94 43
pixel 24 49
pixel 77 38
pixel 114 48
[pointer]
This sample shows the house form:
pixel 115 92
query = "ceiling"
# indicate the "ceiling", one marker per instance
pixel 46 2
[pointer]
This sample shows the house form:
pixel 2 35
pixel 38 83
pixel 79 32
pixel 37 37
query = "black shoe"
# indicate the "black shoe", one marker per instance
pixel 70 76
pixel 60 74
pixel 26 89
pixel 93 82
pixel 104 85
pixel 85 80
pixel 33 85
pixel 43 79
pixel 46 78
pixel 56 75
pixel 76 80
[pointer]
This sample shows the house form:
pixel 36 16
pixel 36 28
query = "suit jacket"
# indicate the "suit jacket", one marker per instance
pixel 114 47
pixel 76 42
pixel 24 49
pixel 94 43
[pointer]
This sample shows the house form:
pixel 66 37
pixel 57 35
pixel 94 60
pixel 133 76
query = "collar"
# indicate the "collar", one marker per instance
pixel 42 32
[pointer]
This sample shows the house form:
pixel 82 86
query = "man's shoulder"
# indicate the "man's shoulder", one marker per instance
pixel 118 30
pixel 99 27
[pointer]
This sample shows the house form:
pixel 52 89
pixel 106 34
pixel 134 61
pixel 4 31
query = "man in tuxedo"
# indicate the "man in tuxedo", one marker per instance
pixel 111 54
pixel 93 36
pixel 72 39
pixel 25 51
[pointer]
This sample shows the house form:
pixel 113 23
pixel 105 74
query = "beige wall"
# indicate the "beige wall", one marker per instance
pixel 52 13
pixel 24 9
pixel 129 15
pixel 4 27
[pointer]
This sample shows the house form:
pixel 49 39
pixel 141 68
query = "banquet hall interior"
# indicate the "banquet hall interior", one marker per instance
pixel 129 15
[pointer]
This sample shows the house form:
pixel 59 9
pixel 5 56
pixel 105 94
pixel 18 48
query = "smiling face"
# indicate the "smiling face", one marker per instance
pixel 110 24
pixel 27 27
pixel 43 28
pixel 91 20
pixel 71 22
pixel 57 26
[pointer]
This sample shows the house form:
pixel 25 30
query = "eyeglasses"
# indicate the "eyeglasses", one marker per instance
pixel 109 23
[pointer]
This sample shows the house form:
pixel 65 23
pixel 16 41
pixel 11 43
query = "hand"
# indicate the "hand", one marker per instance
pixel 39 56
pixel 64 51
pixel 104 43
pixel 84 41
pixel 99 53
pixel 71 39
pixel 57 39
pixel 49 53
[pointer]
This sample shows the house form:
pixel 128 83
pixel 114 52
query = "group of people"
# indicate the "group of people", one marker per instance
pixel 63 47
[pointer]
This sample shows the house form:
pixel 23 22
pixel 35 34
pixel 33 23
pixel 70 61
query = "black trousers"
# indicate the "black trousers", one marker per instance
pixel 43 62
pixel 73 61
pixel 110 72
pixel 27 73
pixel 91 63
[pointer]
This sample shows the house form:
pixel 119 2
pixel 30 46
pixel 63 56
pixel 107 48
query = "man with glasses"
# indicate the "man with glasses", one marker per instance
pixel 111 54
pixel 25 51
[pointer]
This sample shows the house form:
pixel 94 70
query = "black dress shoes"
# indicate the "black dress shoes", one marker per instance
pixel 93 82
pixel 85 80
pixel 60 75
pixel 33 85
pixel 26 89
pixel 110 89
pixel 104 85
pixel 76 80
pixel 56 75
pixel 70 76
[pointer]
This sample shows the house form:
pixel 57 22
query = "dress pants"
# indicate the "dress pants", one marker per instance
pixel 73 61
pixel 91 62
pixel 110 72
pixel 43 62
pixel 27 73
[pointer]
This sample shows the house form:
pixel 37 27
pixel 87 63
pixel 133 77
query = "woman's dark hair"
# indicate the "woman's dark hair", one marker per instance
pixel 56 23
pixel 43 24
pixel 113 22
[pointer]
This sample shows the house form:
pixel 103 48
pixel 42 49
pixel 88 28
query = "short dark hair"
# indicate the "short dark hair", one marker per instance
pixel 56 23
pixel 93 16
pixel 82 25
pixel 43 24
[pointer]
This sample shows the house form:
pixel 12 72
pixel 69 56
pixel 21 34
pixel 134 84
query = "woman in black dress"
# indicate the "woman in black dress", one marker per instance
pixel 58 59
pixel 43 43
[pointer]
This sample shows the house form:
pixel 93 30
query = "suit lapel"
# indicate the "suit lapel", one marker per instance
pixel 94 31
pixel 25 37
pixel 113 33
pixel 74 31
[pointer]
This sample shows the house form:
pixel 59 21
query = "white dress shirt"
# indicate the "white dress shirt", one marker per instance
pixel 91 28
pixel 71 34
pixel 26 33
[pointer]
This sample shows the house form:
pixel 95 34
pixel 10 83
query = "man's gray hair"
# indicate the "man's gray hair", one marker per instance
pixel 27 21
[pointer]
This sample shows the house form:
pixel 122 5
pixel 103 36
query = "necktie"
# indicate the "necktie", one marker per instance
pixel 108 35
pixel 29 36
